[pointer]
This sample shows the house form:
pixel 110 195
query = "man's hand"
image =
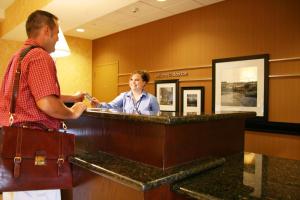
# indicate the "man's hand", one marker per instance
pixel 78 96
pixel 78 109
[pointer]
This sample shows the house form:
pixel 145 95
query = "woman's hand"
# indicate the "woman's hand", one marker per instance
pixel 95 102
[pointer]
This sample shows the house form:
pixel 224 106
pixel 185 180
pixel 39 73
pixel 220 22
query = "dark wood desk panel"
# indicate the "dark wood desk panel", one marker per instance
pixel 141 142
pixel 211 138
pixel 161 141
pixel 90 186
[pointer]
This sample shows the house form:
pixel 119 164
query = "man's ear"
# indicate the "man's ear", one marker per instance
pixel 46 30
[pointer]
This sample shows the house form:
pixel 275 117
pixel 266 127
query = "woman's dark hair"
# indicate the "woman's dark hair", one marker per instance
pixel 37 20
pixel 145 75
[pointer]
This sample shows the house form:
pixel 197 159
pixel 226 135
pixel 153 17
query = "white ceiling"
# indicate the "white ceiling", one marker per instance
pixel 3 5
pixel 104 17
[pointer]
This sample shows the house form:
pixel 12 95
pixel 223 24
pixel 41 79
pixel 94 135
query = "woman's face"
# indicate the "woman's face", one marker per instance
pixel 136 82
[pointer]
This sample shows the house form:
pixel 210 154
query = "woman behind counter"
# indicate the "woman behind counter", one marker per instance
pixel 137 100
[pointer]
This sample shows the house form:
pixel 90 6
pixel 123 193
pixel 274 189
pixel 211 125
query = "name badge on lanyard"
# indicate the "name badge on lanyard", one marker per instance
pixel 137 105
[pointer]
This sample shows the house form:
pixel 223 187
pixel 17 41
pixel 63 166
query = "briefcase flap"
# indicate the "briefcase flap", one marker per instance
pixel 34 141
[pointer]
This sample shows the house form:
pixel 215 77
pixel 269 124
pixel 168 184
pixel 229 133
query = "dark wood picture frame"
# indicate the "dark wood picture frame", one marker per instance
pixel 197 109
pixel 170 105
pixel 257 83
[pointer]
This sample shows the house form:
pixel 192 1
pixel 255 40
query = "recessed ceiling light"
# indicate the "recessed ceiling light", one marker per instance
pixel 134 10
pixel 81 30
pixel 161 0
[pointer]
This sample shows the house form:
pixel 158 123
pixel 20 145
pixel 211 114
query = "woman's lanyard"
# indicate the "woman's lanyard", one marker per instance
pixel 137 104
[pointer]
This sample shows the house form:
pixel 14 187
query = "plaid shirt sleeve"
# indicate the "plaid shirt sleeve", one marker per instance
pixel 42 78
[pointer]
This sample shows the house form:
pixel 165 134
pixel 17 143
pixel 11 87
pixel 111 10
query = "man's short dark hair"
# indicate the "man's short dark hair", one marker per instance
pixel 37 20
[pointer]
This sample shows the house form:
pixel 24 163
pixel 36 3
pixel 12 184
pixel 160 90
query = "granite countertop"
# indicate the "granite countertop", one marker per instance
pixel 137 175
pixel 166 117
pixel 245 176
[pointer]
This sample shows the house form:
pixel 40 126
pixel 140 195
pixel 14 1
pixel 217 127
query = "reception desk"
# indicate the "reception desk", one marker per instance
pixel 129 156
pixel 163 140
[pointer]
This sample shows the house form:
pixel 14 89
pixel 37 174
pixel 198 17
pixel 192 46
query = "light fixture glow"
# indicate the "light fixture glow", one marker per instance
pixel 80 30
pixel 61 47
pixel 161 0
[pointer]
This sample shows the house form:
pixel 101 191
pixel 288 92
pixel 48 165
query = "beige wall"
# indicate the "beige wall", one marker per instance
pixel 74 72
pixel 8 48
pixel 226 29
pixel 0 28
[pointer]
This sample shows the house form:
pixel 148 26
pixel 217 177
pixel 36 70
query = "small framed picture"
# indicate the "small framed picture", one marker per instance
pixel 166 92
pixel 241 84
pixel 192 100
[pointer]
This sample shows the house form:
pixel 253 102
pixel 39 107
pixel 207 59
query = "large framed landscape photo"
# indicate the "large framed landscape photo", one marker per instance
pixel 166 92
pixel 241 84
pixel 192 101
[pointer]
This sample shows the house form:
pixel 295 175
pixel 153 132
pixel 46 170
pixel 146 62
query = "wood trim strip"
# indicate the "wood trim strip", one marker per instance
pixel 209 66
pixel 197 79
pixel 188 80
pixel 283 75
pixel 170 70
pixel 210 79
pixel 284 59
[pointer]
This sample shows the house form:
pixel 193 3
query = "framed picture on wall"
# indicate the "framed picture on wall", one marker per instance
pixel 241 84
pixel 166 92
pixel 192 100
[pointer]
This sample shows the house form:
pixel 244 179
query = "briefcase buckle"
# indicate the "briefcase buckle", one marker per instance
pixel 17 159
pixel 40 158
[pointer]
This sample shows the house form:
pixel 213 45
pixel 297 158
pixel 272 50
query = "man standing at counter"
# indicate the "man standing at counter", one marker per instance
pixel 39 102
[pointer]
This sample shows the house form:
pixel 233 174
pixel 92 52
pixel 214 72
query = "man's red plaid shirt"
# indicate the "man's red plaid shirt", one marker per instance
pixel 38 79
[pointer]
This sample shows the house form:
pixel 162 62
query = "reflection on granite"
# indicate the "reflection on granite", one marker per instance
pixel 165 117
pixel 246 176
pixel 106 110
pixel 137 175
